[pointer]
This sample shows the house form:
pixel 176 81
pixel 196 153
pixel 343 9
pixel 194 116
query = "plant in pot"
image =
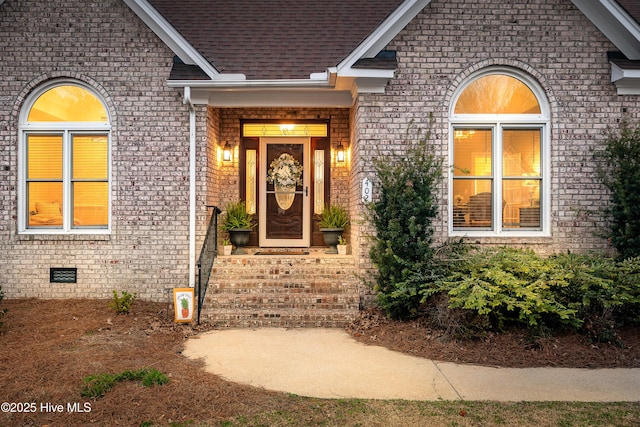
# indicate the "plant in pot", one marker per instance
pixel 342 246
pixel 333 221
pixel 238 223
pixel 227 247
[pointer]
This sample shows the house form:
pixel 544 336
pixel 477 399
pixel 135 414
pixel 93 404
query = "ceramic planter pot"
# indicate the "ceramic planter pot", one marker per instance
pixel 331 236
pixel 240 238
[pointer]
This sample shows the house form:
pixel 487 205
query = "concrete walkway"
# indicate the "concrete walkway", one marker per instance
pixel 328 363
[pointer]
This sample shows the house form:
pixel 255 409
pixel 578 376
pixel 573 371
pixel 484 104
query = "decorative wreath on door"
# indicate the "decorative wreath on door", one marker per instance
pixel 285 172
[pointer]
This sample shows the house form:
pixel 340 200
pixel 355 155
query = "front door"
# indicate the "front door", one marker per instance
pixel 285 212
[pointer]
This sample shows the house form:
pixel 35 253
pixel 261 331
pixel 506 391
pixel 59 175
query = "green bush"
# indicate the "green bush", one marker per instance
pixel 509 286
pixel 402 248
pixel 620 173
pixel 122 303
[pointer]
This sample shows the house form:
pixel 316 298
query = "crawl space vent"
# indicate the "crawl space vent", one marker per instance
pixel 63 275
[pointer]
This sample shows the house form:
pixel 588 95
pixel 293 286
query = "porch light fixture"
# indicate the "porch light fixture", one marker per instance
pixel 226 153
pixel 340 153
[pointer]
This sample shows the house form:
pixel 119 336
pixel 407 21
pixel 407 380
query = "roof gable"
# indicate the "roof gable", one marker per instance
pixel 275 39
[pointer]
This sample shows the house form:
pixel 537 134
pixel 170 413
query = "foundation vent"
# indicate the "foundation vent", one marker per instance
pixel 63 275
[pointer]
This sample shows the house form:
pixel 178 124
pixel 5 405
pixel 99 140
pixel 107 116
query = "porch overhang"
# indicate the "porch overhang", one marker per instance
pixel 328 89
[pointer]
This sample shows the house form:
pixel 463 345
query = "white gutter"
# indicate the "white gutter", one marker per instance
pixel 252 84
pixel 192 187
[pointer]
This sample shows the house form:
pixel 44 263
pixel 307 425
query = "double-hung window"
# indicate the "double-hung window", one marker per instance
pixel 64 162
pixel 499 179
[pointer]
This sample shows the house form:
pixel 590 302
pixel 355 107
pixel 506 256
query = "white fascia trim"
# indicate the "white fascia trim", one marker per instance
pixel 318 92
pixel 615 24
pixel 231 83
pixel 383 35
pixel 170 36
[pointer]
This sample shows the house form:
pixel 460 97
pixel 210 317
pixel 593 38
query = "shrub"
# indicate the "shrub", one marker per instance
pixel 402 248
pixel 122 303
pixel 509 286
pixel 620 173
pixel 515 286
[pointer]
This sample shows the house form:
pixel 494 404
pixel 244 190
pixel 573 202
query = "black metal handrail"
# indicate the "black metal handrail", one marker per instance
pixel 207 257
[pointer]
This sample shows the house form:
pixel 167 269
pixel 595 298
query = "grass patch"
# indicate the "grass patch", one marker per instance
pixel 97 385
pixel 356 412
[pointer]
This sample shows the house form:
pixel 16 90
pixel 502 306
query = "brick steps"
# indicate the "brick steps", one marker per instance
pixel 282 291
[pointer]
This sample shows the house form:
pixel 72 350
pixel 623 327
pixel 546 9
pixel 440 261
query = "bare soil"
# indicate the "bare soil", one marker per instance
pixel 47 347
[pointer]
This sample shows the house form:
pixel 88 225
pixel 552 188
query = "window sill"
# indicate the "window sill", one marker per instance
pixel 48 236
pixel 489 238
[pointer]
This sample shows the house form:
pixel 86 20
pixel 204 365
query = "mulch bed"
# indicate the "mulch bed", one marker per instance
pixel 513 349
pixel 47 347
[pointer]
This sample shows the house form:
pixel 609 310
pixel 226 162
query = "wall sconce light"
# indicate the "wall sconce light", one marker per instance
pixel 340 153
pixel 226 153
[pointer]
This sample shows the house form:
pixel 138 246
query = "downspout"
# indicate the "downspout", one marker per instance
pixel 192 187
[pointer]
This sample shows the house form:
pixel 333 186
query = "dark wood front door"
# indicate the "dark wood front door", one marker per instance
pixel 285 219
pixel 297 225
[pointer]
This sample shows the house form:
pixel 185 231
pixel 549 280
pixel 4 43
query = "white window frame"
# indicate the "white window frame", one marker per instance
pixel 67 130
pixel 497 123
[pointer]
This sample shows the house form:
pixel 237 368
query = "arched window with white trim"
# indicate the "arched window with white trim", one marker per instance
pixel 499 149
pixel 65 166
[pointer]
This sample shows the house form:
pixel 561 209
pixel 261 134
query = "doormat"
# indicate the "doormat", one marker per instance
pixel 282 251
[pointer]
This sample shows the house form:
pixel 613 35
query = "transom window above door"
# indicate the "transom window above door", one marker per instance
pixel 499 181
pixel 65 167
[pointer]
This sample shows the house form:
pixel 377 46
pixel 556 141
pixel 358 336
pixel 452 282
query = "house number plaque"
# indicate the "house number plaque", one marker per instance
pixel 367 191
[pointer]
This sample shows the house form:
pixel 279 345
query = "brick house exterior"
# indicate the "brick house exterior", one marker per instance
pixel 172 109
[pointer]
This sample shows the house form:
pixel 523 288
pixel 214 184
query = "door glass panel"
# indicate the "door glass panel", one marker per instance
pixel 318 184
pixel 251 181
pixel 284 210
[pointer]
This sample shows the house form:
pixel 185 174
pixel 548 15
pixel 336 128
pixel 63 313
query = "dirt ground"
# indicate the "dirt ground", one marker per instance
pixel 47 348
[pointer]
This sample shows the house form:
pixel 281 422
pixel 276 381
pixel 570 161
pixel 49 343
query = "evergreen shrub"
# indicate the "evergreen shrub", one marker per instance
pixel 403 247
pixel 620 173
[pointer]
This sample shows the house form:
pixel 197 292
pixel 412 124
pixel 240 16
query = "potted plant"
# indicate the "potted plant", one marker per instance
pixel 226 247
pixel 238 223
pixel 342 246
pixel 333 221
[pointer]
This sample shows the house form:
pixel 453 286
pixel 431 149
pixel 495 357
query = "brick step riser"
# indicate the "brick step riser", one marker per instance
pixel 243 288
pixel 285 292
pixel 284 318
pixel 260 302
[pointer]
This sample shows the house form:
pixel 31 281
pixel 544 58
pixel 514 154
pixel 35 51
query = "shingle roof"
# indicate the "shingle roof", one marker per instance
pixel 632 7
pixel 275 39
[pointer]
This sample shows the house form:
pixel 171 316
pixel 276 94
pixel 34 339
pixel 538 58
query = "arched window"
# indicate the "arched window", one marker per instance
pixel 65 161
pixel 499 150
